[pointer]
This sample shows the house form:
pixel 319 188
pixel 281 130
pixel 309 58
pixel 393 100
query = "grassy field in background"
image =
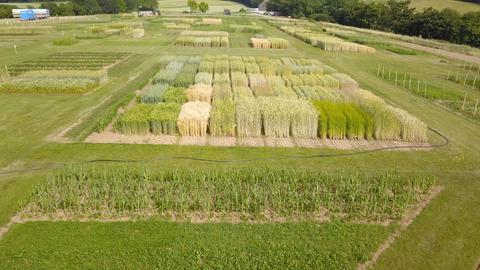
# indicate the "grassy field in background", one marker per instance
pixel 214 5
pixel 444 236
pixel 458 5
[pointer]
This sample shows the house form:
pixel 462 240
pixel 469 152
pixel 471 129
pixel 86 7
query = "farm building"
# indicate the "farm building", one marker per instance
pixel 31 14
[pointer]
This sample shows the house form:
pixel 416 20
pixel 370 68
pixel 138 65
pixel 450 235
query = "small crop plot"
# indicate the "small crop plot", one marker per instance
pixel 286 98
pixel 269 43
pixel 131 29
pixel 324 41
pixel 250 194
pixel 62 73
pixel 24 30
pixel 203 39
pixel 68 61
pixel 245 28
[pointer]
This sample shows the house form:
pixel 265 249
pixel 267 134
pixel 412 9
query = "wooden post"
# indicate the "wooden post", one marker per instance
pixel 396 77
pixel 404 80
pixel 6 70
pixel 466 78
pixel 456 77
pixel 448 76
pixel 474 82
pixel 471 66
pixel 476 106
pixel 389 73
pixel 410 83
pixel 464 101
pixel 15 48
pixel 383 71
pixel 418 86
pixel 425 90
pixel 378 71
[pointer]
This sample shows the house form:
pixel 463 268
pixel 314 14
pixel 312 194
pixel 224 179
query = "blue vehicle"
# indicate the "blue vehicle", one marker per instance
pixel 27 15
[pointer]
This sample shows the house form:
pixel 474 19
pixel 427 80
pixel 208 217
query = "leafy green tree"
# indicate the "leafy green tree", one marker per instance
pixel 148 4
pixel 65 9
pixel 193 5
pixel 6 11
pixel 113 6
pixel 52 7
pixel 86 7
pixel 203 7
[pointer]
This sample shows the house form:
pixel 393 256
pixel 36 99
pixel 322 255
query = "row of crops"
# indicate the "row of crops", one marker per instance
pixel 68 61
pixel 62 73
pixel 257 96
pixel 203 39
pixel 98 31
pixel 269 43
pixel 186 22
pixel 251 194
pixel 321 39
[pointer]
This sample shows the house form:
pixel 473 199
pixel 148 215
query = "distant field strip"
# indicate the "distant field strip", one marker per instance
pixel 234 196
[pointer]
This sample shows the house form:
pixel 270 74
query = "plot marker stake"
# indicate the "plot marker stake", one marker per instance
pixel 464 101
pixel 476 106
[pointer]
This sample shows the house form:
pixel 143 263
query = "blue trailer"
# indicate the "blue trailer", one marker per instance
pixel 27 15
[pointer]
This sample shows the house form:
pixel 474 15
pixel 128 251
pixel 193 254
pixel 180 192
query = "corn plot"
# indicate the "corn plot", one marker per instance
pixel 102 192
pixel 256 96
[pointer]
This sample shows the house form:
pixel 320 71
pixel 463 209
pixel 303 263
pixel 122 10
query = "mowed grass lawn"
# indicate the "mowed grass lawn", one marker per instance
pixel 445 236
pixel 458 5
pixel 162 245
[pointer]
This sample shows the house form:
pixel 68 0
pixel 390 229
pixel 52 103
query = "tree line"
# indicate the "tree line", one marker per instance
pixel 88 7
pixel 393 16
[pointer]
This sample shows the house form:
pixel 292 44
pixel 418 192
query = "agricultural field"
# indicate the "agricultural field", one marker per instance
pixel 226 142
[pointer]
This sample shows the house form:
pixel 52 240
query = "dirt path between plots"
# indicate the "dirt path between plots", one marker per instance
pixel 404 223
pixel 449 54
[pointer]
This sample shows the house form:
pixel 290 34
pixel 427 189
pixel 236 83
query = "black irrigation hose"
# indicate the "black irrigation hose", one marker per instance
pixel 444 143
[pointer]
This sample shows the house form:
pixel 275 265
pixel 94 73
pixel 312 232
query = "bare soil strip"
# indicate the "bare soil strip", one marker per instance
pixel 404 223
pixel 108 136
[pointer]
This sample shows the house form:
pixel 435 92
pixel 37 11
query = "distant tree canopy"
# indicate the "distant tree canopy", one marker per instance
pixel 394 16
pixel 203 7
pixel 86 7
pixel 250 3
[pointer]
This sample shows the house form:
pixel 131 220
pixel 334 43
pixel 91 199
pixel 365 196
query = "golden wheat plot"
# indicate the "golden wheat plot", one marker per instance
pixel 193 118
